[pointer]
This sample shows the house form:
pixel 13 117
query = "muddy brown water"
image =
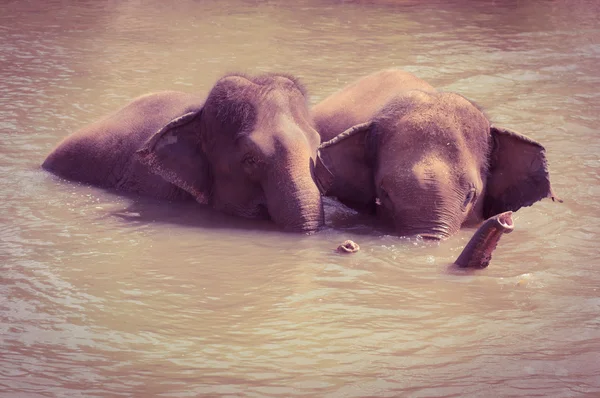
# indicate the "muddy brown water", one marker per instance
pixel 103 295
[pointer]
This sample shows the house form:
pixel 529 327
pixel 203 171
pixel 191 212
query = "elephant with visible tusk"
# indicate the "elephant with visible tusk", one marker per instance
pixel 426 162
pixel 248 149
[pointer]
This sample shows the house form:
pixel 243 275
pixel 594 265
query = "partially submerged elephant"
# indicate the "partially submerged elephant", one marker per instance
pixel 427 162
pixel 247 150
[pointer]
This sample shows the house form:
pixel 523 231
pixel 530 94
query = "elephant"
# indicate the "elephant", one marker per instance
pixel 425 162
pixel 247 149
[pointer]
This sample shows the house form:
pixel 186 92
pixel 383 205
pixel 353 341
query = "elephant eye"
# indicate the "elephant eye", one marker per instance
pixel 470 198
pixel 250 160
pixel 383 196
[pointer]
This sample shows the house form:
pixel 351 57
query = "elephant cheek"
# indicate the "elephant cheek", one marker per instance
pixel 385 215
pixel 240 198
pixel 474 215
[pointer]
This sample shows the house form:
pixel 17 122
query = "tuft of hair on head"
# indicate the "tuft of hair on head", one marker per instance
pixel 284 79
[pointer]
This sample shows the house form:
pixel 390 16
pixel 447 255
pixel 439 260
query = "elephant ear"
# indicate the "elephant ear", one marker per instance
pixel 518 173
pixel 344 167
pixel 175 153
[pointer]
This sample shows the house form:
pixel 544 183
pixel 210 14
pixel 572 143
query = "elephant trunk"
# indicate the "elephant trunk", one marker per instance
pixel 478 252
pixel 294 202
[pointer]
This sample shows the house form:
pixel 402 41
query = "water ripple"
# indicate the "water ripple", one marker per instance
pixel 107 295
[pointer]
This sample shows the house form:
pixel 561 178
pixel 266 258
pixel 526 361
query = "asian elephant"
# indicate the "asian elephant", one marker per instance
pixel 426 162
pixel 248 149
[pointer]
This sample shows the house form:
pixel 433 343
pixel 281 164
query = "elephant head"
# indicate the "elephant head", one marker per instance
pixel 429 162
pixel 248 151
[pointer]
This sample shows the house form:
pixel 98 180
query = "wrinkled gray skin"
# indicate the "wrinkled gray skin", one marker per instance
pixel 426 162
pixel 246 150
pixel 478 252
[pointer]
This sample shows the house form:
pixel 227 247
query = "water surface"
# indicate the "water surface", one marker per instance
pixel 103 295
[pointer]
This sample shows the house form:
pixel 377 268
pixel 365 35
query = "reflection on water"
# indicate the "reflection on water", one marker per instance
pixel 105 295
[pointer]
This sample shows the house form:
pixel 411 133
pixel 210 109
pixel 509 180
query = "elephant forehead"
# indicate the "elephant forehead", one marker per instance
pixel 282 122
pixel 279 133
pixel 439 112
pixel 422 172
pixel 413 142
pixel 432 132
pixel 430 168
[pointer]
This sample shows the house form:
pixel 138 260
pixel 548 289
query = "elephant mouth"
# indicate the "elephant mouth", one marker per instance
pixel 261 212
pixel 434 234
pixel 431 237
